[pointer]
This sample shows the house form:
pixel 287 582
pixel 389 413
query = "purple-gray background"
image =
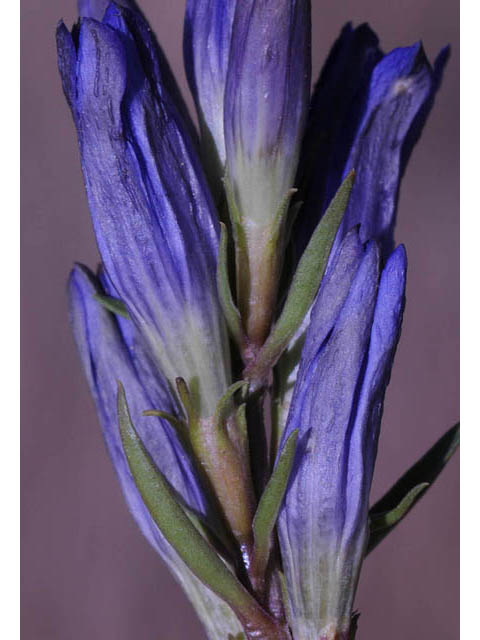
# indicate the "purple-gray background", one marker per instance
pixel 86 570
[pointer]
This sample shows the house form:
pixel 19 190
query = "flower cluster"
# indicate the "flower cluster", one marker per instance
pixel 239 335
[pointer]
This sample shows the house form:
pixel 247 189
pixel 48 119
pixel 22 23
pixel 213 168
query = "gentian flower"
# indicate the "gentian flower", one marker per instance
pixel 337 407
pixel 367 112
pixel 153 216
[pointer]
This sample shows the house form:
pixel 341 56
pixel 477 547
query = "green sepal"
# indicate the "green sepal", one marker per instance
pixel 230 311
pixel 239 636
pixel 112 304
pixel 412 485
pixel 187 401
pixel 270 503
pixel 175 525
pixel 282 216
pixel 224 405
pixel 218 539
pixel 305 283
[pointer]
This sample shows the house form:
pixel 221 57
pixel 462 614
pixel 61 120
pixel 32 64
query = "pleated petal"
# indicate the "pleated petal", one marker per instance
pixel 153 216
pixel 337 406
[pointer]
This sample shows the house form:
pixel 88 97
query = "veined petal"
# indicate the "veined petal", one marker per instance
pixel 312 517
pixel 387 322
pixel 337 406
pixel 154 220
pixel 367 113
pixel 266 102
pixel 107 359
pixel 336 109
pixel 400 85
pixel 153 59
pixel 206 46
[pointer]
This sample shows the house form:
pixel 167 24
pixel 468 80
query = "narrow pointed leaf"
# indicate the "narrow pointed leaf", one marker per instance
pixel 112 304
pixel 187 400
pixel 225 403
pixel 177 528
pixel 270 502
pixel 389 519
pixel 425 471
pixel 306 282
pixel 230 311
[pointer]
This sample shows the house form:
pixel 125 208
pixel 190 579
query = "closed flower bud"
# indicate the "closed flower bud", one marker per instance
pixel 153 217
pixel 266 102
pixel 337 406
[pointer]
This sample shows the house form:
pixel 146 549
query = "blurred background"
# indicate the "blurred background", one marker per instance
pixel 87 572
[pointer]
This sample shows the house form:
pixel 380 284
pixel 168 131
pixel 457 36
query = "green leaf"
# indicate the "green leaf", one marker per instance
pixel 389 519
pixel 270 503
pixel 112 304
pixel 305 283
pixel 177 528
pixel 230 311
pixel 412 486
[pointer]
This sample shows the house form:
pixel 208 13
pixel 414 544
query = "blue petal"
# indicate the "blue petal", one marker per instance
pixel 107 360
pixel 336 109
pixel 385 334
pixel 313 514
pixel 153 59
pixel 206 46
pixel 153 216
pixel 337 406
pixel 400 86
pixel 332 294
pixel 367 113
pixel 266 101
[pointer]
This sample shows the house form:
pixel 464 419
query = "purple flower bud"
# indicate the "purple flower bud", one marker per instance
pixel 266 102
pixel 337 406
pixel 153 217
pixel 367 112
pixel 107 358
